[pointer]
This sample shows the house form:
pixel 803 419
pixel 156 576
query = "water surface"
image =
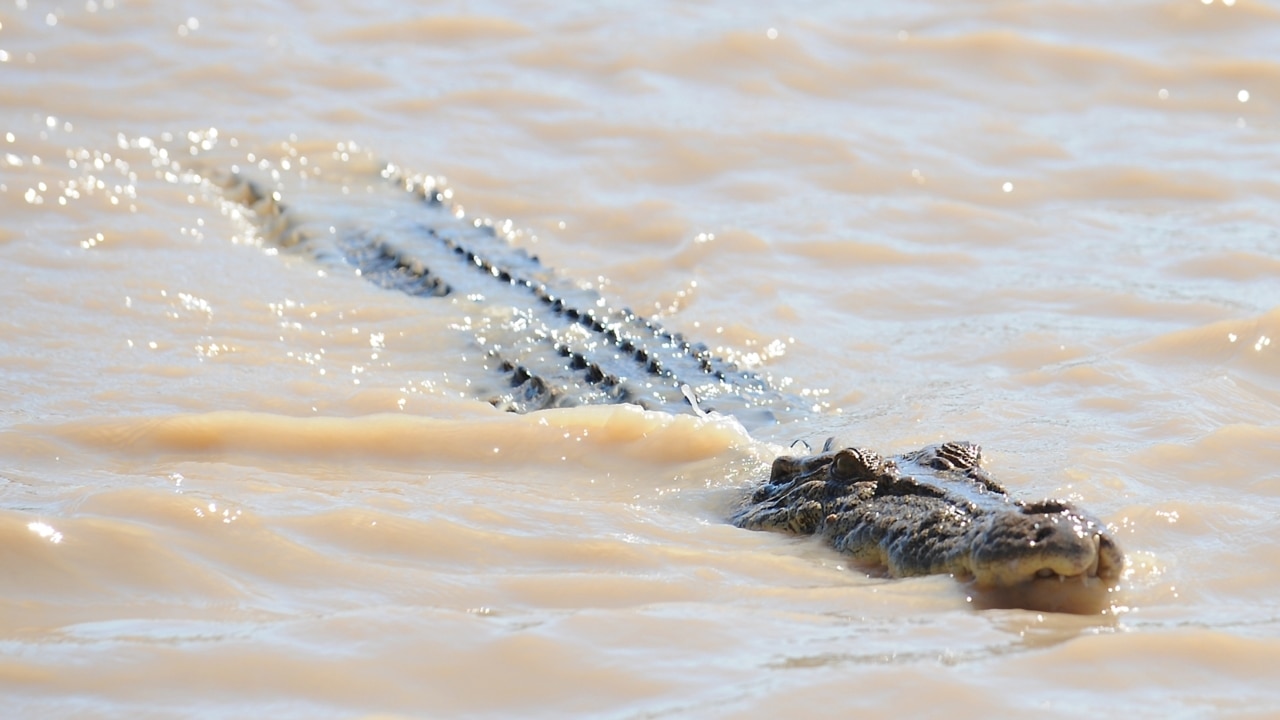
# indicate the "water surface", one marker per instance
pixel 234 481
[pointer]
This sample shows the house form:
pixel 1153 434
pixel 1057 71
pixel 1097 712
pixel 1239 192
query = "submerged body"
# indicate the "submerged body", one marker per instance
pixel 934 511
pixel 553 342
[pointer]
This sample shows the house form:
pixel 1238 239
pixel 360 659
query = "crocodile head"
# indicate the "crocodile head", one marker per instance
pixel 937 511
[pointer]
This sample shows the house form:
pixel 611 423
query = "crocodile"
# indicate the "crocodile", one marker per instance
pixel 931 511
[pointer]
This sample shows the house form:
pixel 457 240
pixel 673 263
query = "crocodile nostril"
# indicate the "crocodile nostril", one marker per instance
pixel 1043 533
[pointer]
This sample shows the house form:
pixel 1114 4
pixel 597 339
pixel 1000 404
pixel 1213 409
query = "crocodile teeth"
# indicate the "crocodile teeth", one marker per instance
pixel 1092 571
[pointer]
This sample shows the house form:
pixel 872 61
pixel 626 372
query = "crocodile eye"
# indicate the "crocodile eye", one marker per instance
pixel 784 468
pixel 848 465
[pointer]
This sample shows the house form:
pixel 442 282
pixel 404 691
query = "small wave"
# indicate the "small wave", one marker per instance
pixel 1248 345
pixel 622 430
pixel 454 30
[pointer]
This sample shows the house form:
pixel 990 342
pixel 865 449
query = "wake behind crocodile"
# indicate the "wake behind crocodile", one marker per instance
pixel 543 341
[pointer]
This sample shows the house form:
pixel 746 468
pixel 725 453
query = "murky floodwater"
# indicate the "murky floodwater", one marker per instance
pixel 234 482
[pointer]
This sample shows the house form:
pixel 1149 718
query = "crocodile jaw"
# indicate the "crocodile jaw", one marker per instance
pixel 1054 547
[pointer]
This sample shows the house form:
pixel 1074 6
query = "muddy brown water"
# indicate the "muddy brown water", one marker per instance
pixel 236 483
